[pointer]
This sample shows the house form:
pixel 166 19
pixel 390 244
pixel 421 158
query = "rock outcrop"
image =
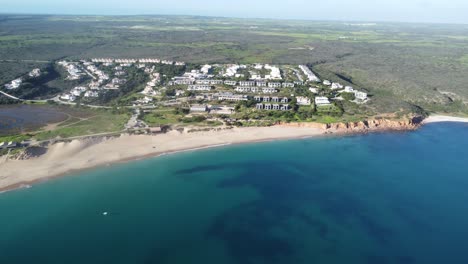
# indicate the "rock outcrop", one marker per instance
pixel 371 125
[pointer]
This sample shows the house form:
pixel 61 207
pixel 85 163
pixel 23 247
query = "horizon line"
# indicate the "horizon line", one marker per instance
pixel 234 17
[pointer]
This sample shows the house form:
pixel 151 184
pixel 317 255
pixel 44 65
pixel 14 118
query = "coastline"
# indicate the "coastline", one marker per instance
pixel 444 118
pixel 65 158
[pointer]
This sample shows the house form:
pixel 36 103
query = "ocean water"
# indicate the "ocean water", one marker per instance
pixel 379 198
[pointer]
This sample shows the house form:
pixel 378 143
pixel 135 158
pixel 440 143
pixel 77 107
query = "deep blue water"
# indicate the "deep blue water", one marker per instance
pixel 379 198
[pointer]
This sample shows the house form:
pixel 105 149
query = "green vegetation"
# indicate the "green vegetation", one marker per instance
pixel 405 68
pixel 103 121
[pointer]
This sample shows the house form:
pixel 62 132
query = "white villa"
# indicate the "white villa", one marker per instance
pixel 302 100
pixel 335 86
pixel 199 88
pixel 198 108
pixel 321 100
pixel 68 97
pixel 274 85
pixel 360 95
pixel 310 75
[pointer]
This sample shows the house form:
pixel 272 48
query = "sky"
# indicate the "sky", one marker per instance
pixel 433 11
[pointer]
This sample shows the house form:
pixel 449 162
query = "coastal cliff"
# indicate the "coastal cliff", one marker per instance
pixel 371 125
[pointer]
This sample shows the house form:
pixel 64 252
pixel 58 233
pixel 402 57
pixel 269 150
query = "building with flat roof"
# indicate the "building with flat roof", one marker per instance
pixel 321 100
pixel 198 108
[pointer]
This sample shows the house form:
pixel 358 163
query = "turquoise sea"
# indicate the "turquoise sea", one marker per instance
pixel 379 198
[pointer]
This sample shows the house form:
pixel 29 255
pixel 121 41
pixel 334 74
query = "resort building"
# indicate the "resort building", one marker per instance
pixel 269 90
pixel 231 97
pixel 209 82
pixel 288 85
pixel 199 88
pixel 276 107
pixel 91 94
pixel 360 95
pixel 68 97
pixel 349 89
pixel 335 86
pixel 284 107
pixel 246 83
pixel 274 85
pixel 230 83
pixel 310 75
pixel 206 69
pixel 243 89
pixel 321 100
pixel 302 100
pixel 35 73
pixel 198 108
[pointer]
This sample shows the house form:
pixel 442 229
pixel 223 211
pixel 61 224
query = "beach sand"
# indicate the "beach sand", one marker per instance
pixel 442 118
pixel 65 157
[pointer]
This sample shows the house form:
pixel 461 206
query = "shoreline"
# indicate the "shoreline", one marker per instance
pixel 444 118
pixel 65 158
pixel 62 159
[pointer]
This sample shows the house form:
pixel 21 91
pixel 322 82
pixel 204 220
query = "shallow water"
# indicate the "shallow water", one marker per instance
pixel 380 198
pixel 21 118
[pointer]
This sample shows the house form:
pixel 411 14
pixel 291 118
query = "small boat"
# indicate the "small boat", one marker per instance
pixel 105 213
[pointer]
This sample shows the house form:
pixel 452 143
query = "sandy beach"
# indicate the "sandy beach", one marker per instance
pixel 442 118
pixel 65 157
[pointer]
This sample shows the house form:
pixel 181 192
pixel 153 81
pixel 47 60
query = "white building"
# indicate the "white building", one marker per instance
pixel 313 90
pixel 77 91
pixel 246 83
pixel 198 108
pixel 35 73
pixel 68 97
pixel 209 82
pixel 269 90
pixel 241 89
pixel 274 85
pixel 360 95
pixel 230 83
pixel 231 97
pixel 199 88
pixel 327 83
pixel 205 69
pixel 15 84
pixel 91 94
pixel 275 73
pixel 335 86
pixel 302 100
pixel 321 100
pixel 310 75
pixel 348 89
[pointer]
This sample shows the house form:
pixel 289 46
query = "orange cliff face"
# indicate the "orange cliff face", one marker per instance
pixel 411 123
